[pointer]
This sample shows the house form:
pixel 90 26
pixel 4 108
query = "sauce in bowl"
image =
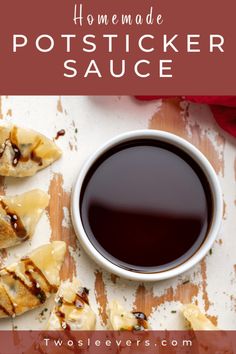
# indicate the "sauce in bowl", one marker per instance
pixel 146 205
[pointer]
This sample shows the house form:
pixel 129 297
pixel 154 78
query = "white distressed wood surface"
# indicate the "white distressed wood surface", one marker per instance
pixel 89 122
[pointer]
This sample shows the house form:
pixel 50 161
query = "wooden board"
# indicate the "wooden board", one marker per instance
pixel 89 122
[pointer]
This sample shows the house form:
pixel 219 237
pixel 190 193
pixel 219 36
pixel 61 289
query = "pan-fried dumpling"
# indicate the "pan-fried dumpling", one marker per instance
pixel 219 343
pixel 19 215
pixel 120 319
pixel 72 309
pixel 197 320
pixel 28 283
pixel 23 152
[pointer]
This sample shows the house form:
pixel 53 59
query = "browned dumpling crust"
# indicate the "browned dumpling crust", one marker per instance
pixel 23 152
pixel 19 216
pixel 28 283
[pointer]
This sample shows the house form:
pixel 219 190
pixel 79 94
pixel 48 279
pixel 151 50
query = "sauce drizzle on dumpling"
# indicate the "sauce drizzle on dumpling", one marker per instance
pixel 17 156
pixel 35 289
pixel 81 298
pixel 17 152
pixel 15 221
pixel 142 323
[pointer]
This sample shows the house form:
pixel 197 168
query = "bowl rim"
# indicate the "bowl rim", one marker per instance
pixel 215 187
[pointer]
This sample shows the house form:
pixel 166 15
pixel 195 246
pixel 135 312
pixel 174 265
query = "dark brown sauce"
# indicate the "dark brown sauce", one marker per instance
pixel 146 205
pixel 35 288
pixel 82 296
pixel 36 158
pixel 61 316
pixel 60 133
pixel 15 221
pixel 3 309
pixel 17 155
pixel 141 321
pixel 14 144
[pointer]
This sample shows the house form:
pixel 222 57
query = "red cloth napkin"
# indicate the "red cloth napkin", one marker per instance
pixel 223 108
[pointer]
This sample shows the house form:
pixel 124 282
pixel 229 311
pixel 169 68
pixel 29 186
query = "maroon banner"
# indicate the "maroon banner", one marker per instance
pixel 101 342
pixel 136 47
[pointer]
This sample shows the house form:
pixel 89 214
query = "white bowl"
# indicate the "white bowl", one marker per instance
pixel 215 190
